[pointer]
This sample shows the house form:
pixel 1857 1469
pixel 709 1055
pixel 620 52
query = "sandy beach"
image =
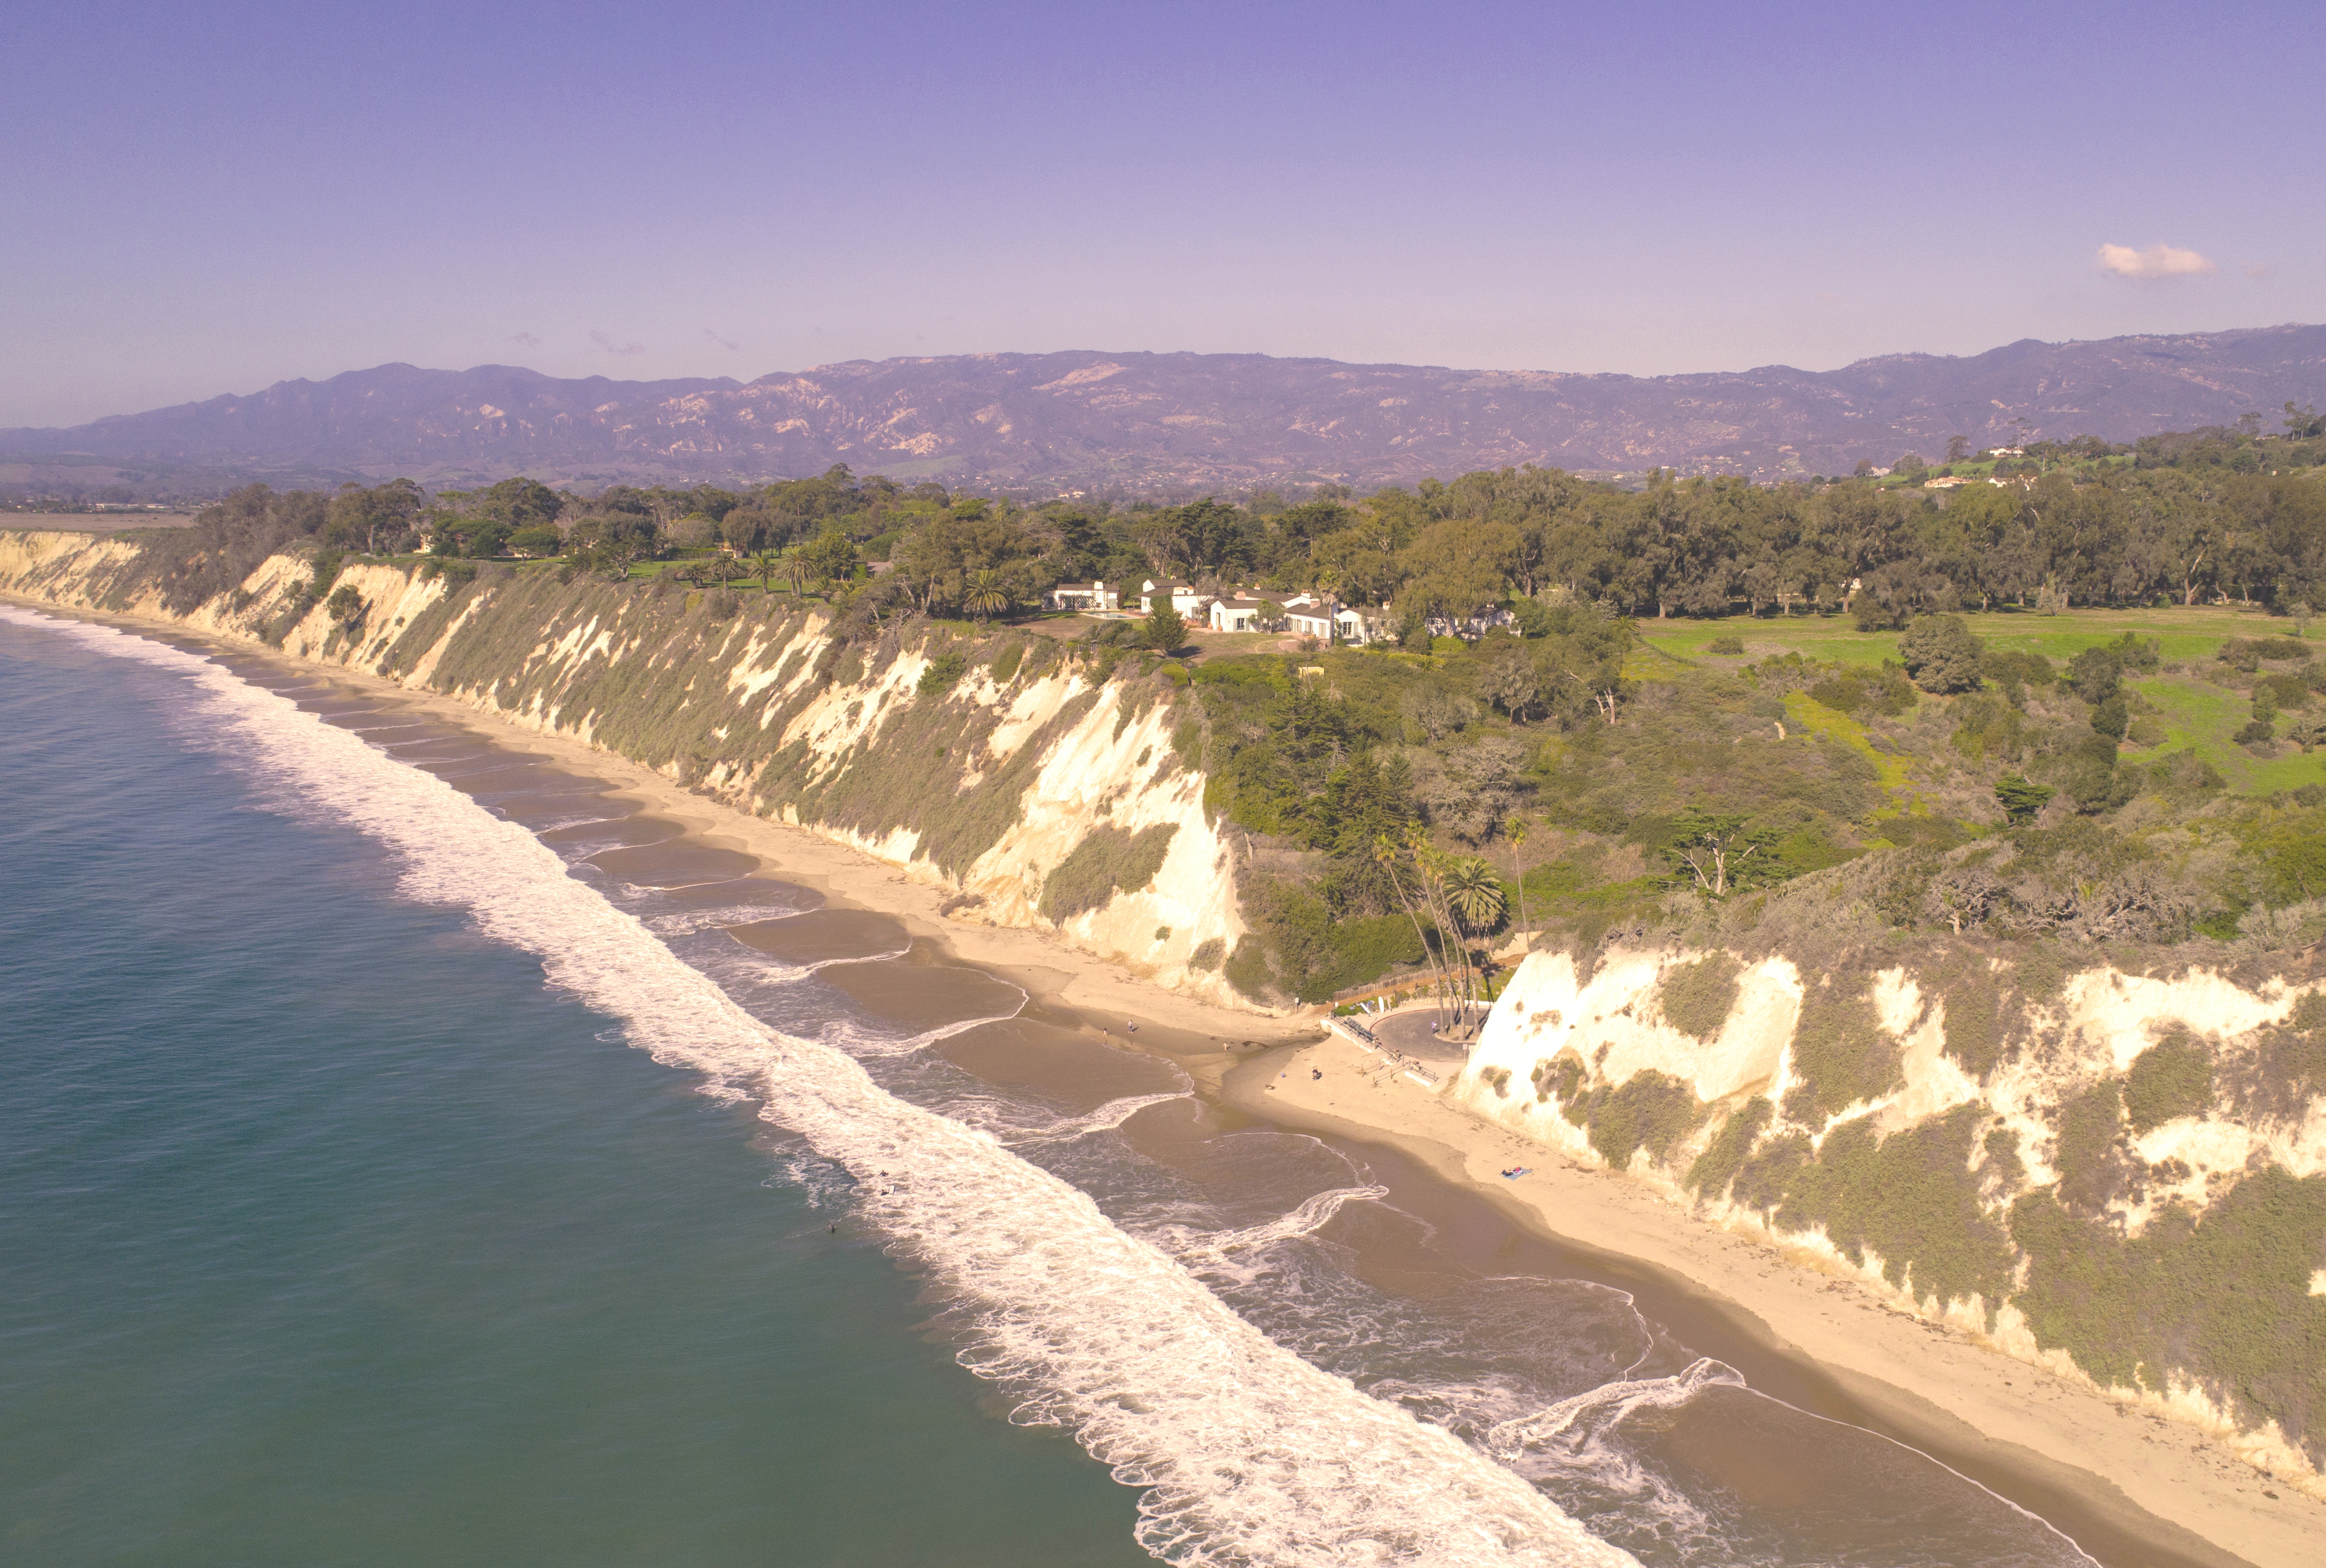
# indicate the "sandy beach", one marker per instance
pixel 2146 1480
pixel 1981 1412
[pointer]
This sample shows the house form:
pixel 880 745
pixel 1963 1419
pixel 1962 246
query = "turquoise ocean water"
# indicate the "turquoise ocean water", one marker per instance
pixel 330 1235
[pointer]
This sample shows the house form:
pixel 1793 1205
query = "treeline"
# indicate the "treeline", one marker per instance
pixel 2184 518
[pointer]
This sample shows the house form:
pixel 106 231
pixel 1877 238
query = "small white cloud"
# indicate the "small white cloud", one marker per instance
pixel 607 344
pixel 2158 261
pixel 527 339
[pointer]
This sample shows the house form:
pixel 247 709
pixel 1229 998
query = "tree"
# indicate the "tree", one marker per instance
pixel 1515 832
pixel 1164 629
pixel 2020 799
pixel 986 597
pixel 1958 448
pixel 1511 682
pixel 830 557
pixel 696 531
pixel 746 529
pixel 1475 892
pixel 1388 854
pixel 1941 655
pixel 1714 848
pixel 537 539
pixel 346 606
pixel 516 502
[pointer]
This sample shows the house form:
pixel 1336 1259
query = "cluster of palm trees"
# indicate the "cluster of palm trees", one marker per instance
pixel 1461 895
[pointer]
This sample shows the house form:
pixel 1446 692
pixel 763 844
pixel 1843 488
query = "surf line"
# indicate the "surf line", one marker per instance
pixel 1244 1452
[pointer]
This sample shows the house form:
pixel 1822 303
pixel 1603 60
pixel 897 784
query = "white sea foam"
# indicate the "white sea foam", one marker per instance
pixel 1105 1118
pixel 847 1035
pixel 1310 1216
pixel 1250 1455
pixel 688 922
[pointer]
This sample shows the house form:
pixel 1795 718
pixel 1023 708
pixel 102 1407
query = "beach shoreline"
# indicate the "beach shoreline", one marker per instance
pixel 1984 1413
pixel 1936 1391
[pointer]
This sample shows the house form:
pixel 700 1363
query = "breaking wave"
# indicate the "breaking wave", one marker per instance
pixel 1248 1454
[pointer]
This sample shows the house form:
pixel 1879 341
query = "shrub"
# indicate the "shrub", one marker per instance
pixel 2222 1297
pixel 1730 648
pixel 1718 1165
pixel 2085 1152
pixel 1558 1078
pixel 2170 1079
pixel 1006 662
pixel 1106 860
pixel 944 673
pixel 1652 1110
pixel 1247 968
pixel 1208 955
pixel 1941 655
pixel 1886 692
pixel 2245 652
pixel 1910 1197
pixel 1841 1055
pixel 346 606
pixel 2283 691
pixel 1696 998
pixel 2009 670
pixel 1871 614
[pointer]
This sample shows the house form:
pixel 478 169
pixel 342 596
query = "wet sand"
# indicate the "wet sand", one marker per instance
pixel 1816 1343
pixel 2129 1487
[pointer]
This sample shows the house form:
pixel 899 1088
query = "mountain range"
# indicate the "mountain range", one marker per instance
pixel 1165 422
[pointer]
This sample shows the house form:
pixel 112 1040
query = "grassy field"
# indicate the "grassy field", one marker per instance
pixel 2195 632
pixel 2195 711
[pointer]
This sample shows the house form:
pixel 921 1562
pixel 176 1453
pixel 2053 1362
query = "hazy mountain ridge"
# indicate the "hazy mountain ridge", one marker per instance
pixel 1142 421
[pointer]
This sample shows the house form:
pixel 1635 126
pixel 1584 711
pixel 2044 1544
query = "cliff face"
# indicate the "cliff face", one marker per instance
pixel 1043 792
pixel 2118 1173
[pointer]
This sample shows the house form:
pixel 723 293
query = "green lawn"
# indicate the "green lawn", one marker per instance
pixel 2195 632
pixel 2197 714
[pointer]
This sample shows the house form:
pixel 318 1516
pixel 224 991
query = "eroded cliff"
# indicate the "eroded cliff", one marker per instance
pixel 1044 791
pixel 2114 1168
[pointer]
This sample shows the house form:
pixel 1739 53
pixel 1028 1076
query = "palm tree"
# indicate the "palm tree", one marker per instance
pixel 1432 868
pixel 986 597
pixel 1474 894
pixel 1515 831
pixel 796 572
pixel 766 561
pixel 1388 851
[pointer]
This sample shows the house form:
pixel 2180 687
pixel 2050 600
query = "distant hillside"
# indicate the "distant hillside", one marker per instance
pixel 1149 421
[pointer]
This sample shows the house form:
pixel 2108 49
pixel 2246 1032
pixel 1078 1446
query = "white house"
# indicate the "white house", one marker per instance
pixel 1312 618
pixel 1086 595
pixel 1181 596
pixel 1311 615
pixel 1238 614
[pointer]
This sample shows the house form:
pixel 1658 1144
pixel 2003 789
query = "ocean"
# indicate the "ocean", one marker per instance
pixel 409 1152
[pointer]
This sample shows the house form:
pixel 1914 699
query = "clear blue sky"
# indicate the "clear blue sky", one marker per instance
pixel 208 199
